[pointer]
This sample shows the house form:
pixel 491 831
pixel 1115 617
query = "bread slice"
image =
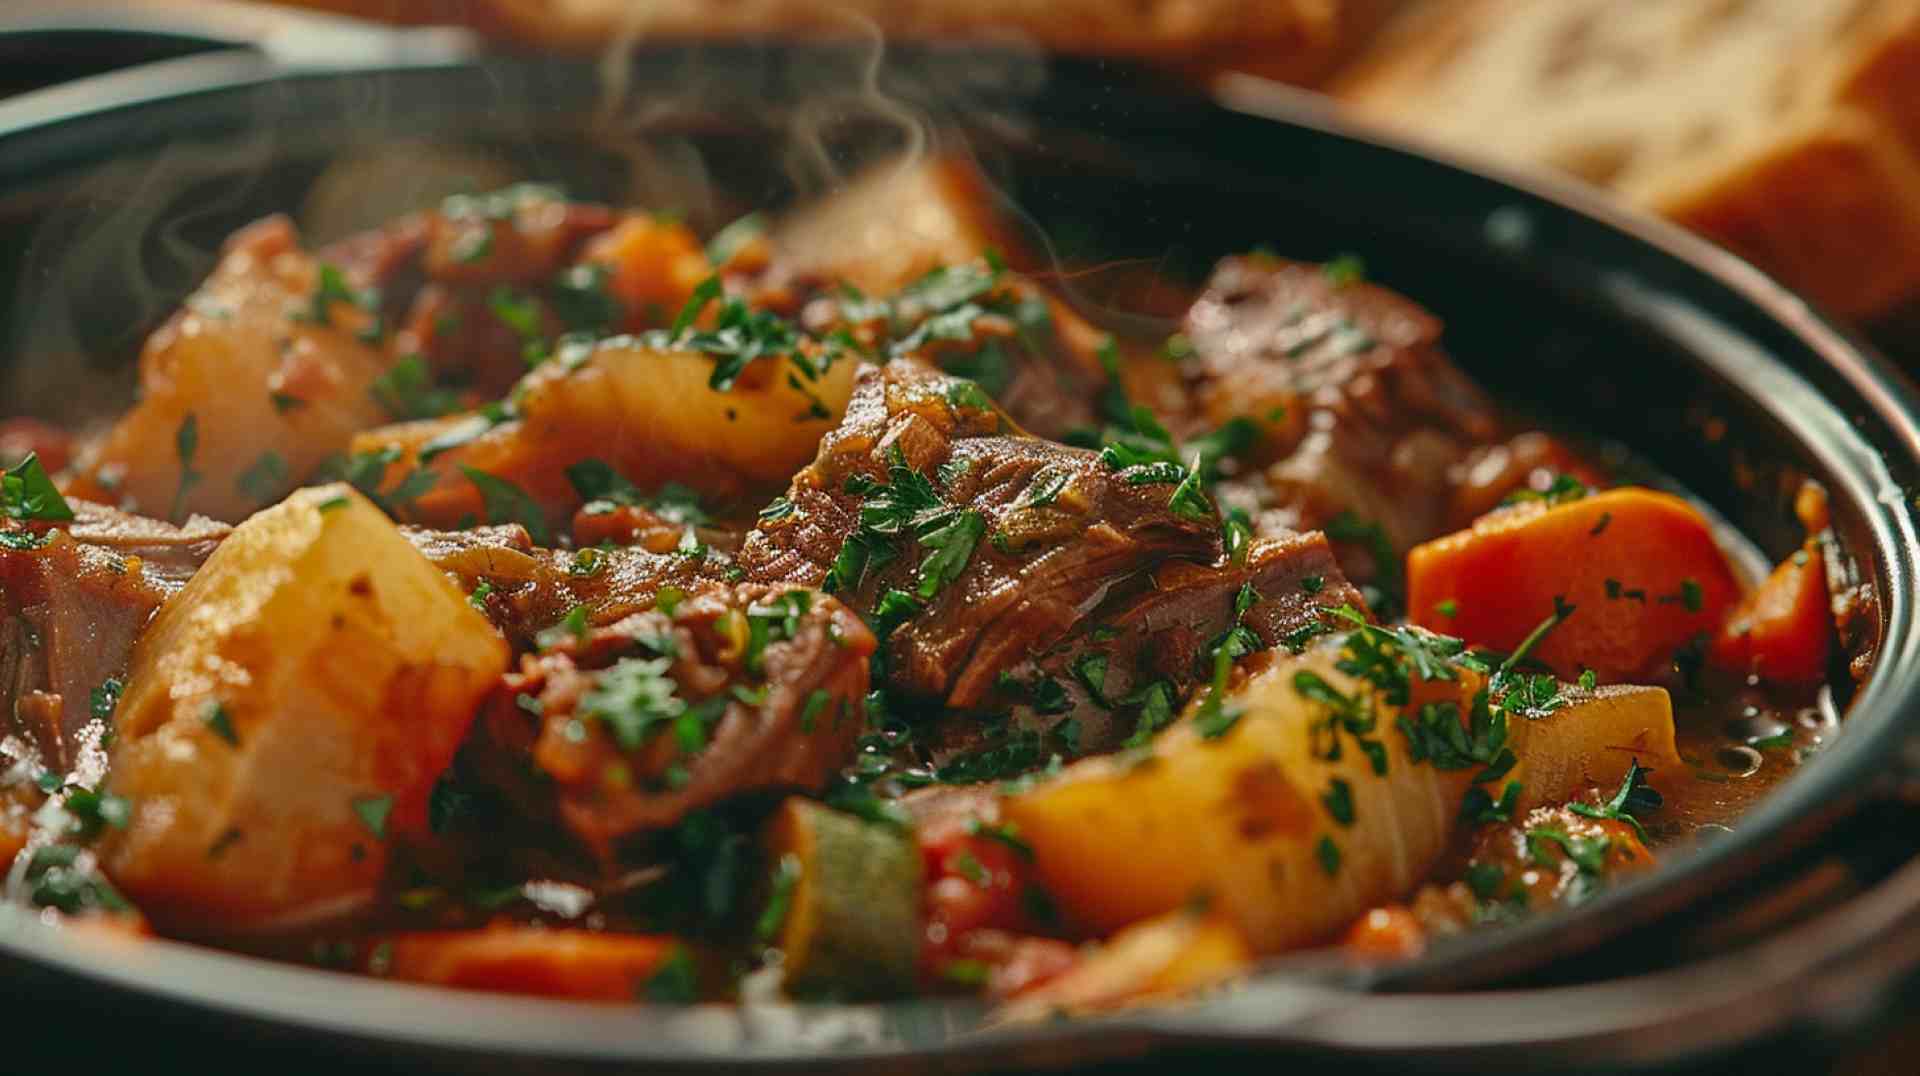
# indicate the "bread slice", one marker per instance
pixel 1789 130
pixel 1294 40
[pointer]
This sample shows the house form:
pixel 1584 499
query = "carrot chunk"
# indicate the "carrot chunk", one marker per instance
pixel 1782 631
pixel 525 960
pixel 1641 568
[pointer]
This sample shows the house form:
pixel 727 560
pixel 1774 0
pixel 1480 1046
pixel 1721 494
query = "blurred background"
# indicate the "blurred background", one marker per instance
pixel 1786 130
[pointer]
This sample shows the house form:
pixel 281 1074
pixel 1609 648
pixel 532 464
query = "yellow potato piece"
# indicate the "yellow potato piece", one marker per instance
pixel 242 395
pixel 1246 823
pixel 1589 743
pixel 286 714
pixel 650 414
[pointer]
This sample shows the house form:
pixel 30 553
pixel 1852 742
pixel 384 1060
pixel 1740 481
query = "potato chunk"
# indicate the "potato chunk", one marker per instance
pixel 651 414
pixel 286 713
pixel 243 392
pixel 1290 837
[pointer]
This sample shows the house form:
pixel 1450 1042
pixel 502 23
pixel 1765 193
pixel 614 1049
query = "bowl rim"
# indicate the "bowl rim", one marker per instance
pixel 1272 1012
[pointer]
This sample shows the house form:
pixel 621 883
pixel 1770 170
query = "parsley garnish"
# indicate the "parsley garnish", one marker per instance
pixel 786 875
pixel 1633 795
pixel 1007 834
pixel 1328 853
pixel 1345 269
pixel 265 479
pixel 949 548
pixel 1563 489
pixel 676 981
pixel 27 492
pixel 573 625
pixel 602 488
pixel 1338 800
pixel 1478 806
pixel 406 390
pixel 508 503
pixel 373 812
pixel 186 442
pixel 740 335
pixel 581 299
pixel 216 718
pixel 634 699
pixel 102 700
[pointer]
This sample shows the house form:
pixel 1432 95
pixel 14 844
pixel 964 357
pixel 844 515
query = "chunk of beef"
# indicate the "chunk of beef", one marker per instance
pixel 979 544
pixel 1131 662
pixel 991 560
pixel 525 590
pixel 1362 411
pixel 73 600
pixel 739 691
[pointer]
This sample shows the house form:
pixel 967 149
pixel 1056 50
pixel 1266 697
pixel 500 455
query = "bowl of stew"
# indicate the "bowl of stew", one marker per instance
pixel 745 578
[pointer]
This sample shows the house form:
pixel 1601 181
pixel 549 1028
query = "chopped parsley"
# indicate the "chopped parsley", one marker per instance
pixel 186 444
pixel 373 812
pixel 786 875
pixel 407 391
pixel 1338 800
pixel 265 479
pixel 1563 489
pixel 27 492
pixel 676 981
pixel 506 502
pixel 219 721
pixel 603 489
pixel 1328 853
pixel 1633 795
pixel 1345 269
pixel 740 336
pixel 581 300
pixel 572 626
pixel 103 700
pixel 1005 833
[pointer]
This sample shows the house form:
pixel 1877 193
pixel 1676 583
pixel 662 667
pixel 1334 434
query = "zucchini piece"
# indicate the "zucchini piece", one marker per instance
pixel 852 922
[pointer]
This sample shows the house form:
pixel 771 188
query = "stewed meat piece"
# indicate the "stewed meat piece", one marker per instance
pixel 736 691
pixel 978 550
pixel 73 600
pixel 1362 410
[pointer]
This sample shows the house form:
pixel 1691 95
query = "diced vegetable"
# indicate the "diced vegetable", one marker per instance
pixel 651 415
pixel 1641 568
pixel 529 960
pixel 286 715
pixel 851 925
pixel 1783 631
pixel 653 266
pixel 245 391
pixel 1306 797
pixel 1241 820
pixel 1173 954
pixel 1588 743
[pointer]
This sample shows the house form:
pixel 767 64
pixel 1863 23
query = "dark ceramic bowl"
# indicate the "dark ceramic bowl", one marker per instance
pixel 115 190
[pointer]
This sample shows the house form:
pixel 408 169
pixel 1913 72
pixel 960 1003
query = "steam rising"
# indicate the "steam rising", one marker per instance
pixel 113 253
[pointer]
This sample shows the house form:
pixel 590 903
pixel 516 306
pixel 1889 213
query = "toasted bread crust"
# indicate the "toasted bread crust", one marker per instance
pixel 1798 148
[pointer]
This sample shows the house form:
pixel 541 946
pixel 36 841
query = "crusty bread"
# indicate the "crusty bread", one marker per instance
pixel 1788 130
pixel 1295 40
